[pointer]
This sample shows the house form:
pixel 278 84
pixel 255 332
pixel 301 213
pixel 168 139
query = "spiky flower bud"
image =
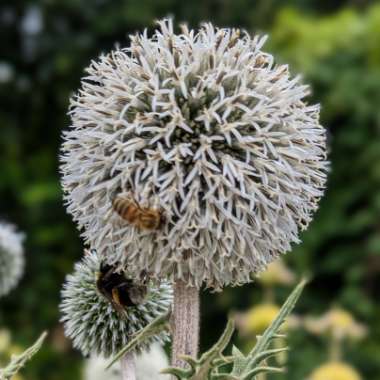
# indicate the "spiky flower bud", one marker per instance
pixel 11 258
pixel 93 323
pixel 204 127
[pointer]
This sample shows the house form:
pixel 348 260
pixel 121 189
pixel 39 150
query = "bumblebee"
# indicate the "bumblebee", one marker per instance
pixel 144 218
pixel 120 291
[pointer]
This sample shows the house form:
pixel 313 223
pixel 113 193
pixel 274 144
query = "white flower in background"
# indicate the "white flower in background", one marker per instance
pixel 91 321
pixel 206 128
pixel 150 363
pixel 148 366
pixel 11 257
pixel 6 72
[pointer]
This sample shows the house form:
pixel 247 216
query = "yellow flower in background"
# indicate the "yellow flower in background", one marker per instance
pixel 337 322
pixel 256 319
pixel 260 317
pixel 341 320
pixel 277 273
pixel 335 371
pixel 14 349
pixel 5 340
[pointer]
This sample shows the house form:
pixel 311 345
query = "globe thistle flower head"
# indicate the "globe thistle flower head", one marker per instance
pixel 335 371
pixel 11 257
pixel 203 127
pixel 92 322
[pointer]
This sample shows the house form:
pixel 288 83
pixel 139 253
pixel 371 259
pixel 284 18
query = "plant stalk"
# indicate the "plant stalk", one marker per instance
pixel 335 349
pixel 128 367
pixel 185 323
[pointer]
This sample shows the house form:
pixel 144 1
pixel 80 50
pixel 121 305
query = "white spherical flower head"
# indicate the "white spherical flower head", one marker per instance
pixel 149 364
pixel 205 128
pixel 92 321
pixel 11 257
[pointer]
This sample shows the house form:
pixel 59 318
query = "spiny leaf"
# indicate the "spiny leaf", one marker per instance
pixel 18 361
pixel 210 366
pixel 256 371
pixel 179 373
pixel 200 368
pixel 239 359
pixel 224 376
pixel 153 328
pixel 244 366
pixel 269 353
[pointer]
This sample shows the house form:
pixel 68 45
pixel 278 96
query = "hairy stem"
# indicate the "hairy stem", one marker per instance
pixel 128 367
pixel 185 323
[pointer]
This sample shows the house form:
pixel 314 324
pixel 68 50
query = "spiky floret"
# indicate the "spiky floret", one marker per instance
pixel 91 321
pixel 204 126
pixel 11 257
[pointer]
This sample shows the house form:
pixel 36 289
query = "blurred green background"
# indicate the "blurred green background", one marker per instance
pixel 46 44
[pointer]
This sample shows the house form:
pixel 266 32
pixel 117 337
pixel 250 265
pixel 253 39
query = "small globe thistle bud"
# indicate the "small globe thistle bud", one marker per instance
pixel 213 155
pixel 92 321
pixel 11 258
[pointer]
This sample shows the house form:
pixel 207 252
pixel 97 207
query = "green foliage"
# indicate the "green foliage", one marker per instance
pixel 340 56
pixel 211 365
pixel 18 361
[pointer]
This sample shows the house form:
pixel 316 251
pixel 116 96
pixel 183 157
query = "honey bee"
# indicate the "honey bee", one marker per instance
pixel 144 218
pixel 120 291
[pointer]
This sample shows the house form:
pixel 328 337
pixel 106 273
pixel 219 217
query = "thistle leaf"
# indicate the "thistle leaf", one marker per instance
pixel 256 371
pixel 157 326
pixel 18 361
pixel 244 367
pixel 179 373
pixel 211 365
